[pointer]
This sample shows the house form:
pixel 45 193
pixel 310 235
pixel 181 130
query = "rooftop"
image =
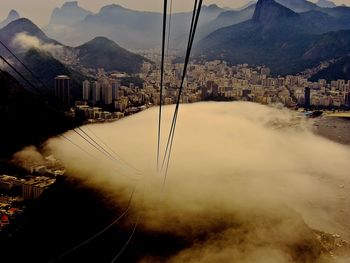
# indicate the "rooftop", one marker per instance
pixel 62 77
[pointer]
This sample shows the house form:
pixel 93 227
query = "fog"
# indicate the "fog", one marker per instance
pixel 28 157
pixel 246 182
pixel 23 42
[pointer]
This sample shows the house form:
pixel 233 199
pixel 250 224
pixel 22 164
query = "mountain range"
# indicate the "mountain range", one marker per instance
pixel 226 18
pixel 46 57
pixel 73 25
pixel 121 25
pixel 280 38
pixel 286 35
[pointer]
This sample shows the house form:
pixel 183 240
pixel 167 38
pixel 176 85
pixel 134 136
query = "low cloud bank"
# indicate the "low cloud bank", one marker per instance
pixel 247 182
pixel 26 41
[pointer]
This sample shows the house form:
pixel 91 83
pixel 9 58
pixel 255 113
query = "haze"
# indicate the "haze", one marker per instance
pixel 40 10
pixel 240 166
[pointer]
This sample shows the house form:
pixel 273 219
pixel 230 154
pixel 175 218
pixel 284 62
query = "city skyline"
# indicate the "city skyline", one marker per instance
pixel 41 15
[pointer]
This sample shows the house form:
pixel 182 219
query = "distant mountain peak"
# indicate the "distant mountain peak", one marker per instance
pixel 101 40
pixel 326 4
pixel 100 43
pixel 298 6
pixel 102 52
pixel 70 4
pixel 269 12
pixel 68 14
pixel 112 7
pixel 12 16
pixel 248 4
pixel 212 7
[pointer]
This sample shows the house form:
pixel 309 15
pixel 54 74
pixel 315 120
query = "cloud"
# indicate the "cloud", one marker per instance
pixel 28 157
pixel 25 41
pixel 247 182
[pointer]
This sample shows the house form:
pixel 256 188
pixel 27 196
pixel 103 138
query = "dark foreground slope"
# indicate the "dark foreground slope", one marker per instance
pixel 70 213
pixel 25 118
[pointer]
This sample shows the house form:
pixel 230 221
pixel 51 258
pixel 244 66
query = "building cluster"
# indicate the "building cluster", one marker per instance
pixel 15 191
pixel 105 90
pixel 216 80
pixel 105 98
pixel 30 187
pixel 84 111
pixel 10 209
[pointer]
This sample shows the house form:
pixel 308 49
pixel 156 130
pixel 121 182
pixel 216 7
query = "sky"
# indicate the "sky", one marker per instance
pixel 39 10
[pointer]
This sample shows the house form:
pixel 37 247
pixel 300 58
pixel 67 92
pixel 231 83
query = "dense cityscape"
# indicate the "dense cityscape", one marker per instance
pixel 106 99
pixel 19 190
pixel 214 80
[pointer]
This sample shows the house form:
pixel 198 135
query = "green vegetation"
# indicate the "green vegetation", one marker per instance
pixel 285 41
pixel 104 53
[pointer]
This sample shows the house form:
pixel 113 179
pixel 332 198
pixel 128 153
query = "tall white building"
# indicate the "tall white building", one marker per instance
pixel 107 93
pixel 62 91
pixel 115 89
pixel 86 90
pixel 96 92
